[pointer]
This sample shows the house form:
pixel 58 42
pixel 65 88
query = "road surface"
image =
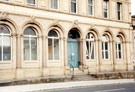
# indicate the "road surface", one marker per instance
pixel 103 88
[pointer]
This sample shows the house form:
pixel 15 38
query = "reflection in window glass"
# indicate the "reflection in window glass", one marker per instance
pixel 90 7
pixel 32 2
pixel 73 6
pixel 90 46
pixel 6 48
pixel 54 4
pixel 105 47
pixel 30 44
pixel 53 45
pixel 56 49
pixel 5 43
pixel 34 48
pixel 50 49
pixel 118 48
pixel 26 48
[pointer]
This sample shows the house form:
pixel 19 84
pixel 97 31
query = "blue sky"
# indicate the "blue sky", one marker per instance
pixel 133 7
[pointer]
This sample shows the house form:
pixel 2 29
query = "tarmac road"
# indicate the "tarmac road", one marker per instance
pixel 130 87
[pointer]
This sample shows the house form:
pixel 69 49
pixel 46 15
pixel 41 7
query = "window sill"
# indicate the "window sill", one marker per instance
pixel 33 61
pixel 33 5
pixel 54 61
pixel 5 62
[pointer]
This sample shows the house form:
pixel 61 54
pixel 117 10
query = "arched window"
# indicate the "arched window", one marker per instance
pixel 118 48
pixel 30 44
pixel 53 45
pixel 5 43
pixel 90 45
pixel 105 47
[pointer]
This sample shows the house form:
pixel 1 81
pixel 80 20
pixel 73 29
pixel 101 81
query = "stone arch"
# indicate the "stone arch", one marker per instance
pixel 58 27
pixel 122 35
pixel 35 25
pixel 109 33
pixel 78 30
pixel 94 31
pixel 11 25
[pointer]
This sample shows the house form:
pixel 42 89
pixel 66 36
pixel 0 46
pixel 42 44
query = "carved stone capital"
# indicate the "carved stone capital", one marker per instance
pixel 32 19
pixel 3 15
pixel 56 21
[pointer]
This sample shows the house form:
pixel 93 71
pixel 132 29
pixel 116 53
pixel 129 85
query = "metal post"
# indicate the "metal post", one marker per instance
pixel 134 73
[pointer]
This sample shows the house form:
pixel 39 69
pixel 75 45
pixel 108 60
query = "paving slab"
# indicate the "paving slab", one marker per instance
pixel 49 86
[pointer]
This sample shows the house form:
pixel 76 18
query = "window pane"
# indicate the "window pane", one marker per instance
pixel 29 31
pixel 90 10
pixel 4 29
pixel 31 1
pixel 50 50
pixel 87 50
pixel 56 49
pixel 106 55
pixel 119 46
pixel 105 14
pixel 116 51
pixel 0 48
pixel 54 4
pixel 106 45
pixel 6 48
pixel 102 54
pixel 52 33
pixel 33 48
pixel 92 54
pixel 119 54
pixel 26 48
pixel 90 1
pixel 73 7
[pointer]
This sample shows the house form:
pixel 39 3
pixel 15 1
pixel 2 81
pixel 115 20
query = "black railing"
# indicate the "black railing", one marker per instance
pixel 72 74
pixel 134 72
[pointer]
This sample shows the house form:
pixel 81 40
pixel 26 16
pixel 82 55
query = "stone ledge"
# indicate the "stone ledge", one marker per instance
pixel 49 79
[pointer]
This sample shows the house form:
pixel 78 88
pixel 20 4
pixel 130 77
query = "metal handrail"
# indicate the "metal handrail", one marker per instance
pixel 73 70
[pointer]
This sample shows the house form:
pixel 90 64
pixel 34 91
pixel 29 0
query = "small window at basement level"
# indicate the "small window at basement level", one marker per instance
pixel 31 2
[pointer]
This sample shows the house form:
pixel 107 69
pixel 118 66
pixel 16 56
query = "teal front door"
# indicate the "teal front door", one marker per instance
pixel 73 53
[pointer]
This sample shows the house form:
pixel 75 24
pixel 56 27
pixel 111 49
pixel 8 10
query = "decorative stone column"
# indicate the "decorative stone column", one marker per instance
pixel 99 54
pixel 113 55
pixel 19 70
pixel 67 68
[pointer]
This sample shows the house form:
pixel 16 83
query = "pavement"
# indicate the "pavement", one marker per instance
pixel 62 85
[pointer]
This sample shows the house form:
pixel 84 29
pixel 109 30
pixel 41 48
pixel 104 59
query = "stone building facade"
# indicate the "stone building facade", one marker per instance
pixel 49 37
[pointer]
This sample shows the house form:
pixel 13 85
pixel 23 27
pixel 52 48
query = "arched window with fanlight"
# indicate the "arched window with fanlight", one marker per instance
pixel 105 47
pixel 53 45
pixel 118 47
pixel 5 43
pixel 90 46
pixel 30 44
